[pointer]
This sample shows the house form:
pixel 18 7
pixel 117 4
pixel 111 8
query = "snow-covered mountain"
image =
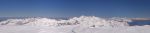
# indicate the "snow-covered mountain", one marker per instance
pixel 83 24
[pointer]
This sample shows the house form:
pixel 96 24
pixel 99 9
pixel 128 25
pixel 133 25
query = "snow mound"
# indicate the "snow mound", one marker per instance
pixel 87 21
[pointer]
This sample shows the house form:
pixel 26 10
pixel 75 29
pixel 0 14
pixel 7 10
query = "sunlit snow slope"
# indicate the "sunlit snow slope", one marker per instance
pixel 83 24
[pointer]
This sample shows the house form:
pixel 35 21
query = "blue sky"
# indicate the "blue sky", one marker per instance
pixel 70 8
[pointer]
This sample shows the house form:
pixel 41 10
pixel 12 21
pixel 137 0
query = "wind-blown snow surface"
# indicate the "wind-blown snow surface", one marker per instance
pixel 83 24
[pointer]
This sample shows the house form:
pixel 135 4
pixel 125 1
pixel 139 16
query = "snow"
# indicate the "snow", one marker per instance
pixel 83 24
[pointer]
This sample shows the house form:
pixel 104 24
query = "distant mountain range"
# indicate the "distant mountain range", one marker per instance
pixel 139 19
pixel 5 18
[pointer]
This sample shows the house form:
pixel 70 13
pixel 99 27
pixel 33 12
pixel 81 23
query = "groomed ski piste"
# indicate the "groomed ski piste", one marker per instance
pixel 82 24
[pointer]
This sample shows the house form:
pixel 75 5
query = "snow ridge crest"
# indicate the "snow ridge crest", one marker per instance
pixel 87 21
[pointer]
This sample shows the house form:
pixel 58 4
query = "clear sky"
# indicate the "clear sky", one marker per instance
pixel 62 8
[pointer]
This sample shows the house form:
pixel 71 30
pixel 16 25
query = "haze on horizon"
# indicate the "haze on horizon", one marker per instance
pixel 71 8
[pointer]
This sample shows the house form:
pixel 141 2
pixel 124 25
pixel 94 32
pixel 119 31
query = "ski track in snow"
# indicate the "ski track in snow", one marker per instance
pixel 83 24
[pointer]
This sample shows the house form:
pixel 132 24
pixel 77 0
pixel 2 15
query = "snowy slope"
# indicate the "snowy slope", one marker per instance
pixel 83 24
pixel 73 29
